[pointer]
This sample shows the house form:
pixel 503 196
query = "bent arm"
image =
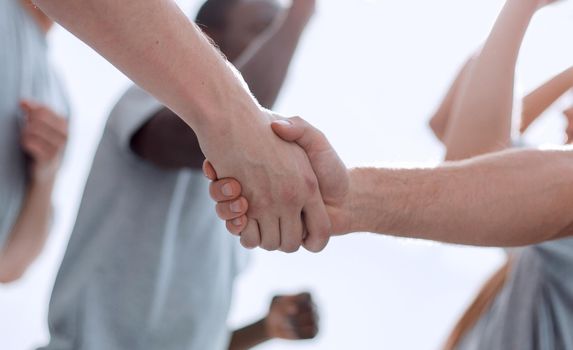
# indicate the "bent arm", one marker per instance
pixel 481 116
pixel 167 142
pixel 170 144
pixel 157 46
pixel 29 234
pixel 512 198
pixel 539 100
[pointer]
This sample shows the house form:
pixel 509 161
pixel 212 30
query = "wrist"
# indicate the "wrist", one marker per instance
pixel 265 332
pixel 355 207
pixel 231 127
pixel 41 185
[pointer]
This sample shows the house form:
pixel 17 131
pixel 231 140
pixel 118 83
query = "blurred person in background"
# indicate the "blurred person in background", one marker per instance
pixel 33 127
pixel 528 303
pixel 148 264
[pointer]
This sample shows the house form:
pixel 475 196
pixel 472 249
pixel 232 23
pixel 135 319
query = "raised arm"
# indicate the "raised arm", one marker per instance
pixel 169 143
pixel 265 64
pixel 482 114
pixel 540 99
pixel 442 116
pixel 154 43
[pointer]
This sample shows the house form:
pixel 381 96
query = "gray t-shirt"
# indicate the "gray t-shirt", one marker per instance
pixel 534 311
pixel 149 265
pixel 25 72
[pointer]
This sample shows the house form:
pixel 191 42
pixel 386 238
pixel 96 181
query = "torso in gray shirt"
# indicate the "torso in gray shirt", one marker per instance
pixel 25 72
pixel 149 265
pixel 534 311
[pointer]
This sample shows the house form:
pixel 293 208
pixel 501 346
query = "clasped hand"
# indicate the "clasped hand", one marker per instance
pixel 234 207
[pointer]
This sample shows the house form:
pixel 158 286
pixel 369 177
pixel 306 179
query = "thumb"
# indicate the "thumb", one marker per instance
pixel 288 130
pixel 302 133
pixel 209 170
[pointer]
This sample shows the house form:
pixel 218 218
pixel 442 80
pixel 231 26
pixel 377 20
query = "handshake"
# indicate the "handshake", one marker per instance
pixel 309 204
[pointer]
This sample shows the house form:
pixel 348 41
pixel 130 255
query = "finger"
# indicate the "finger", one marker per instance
pixel 28 105
pixel 55 138
pixel 306 332
pixel 232 209
pixel 251 236
pixel 317 224
pixel 225 190
pixel 291 230
pixel 287 304
pixel 48 149
pixel 270 233
pixel 209 170
pixel 237 225
pixel 36 151
pixel 306 319
pixel 304 297
pixel 50 123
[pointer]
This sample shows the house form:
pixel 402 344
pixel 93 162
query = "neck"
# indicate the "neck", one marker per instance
pixel 42 20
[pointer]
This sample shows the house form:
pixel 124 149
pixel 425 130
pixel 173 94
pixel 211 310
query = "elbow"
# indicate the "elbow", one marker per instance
pixel 8 276
pixel 437 128
pixel 10 271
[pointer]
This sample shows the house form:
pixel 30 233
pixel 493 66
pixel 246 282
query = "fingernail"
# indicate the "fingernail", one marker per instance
pixel 237 222
pixel 227 190
pixel 284 122
pixel 236 207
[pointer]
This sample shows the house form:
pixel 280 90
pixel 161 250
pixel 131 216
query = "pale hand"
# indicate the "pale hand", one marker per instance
pixel 280 186
pixel 331 172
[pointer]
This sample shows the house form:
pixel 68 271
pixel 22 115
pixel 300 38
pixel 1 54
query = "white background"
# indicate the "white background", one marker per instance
pixel 368 73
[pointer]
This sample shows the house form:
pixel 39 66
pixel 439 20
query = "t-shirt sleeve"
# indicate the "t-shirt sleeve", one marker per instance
pixel 130 113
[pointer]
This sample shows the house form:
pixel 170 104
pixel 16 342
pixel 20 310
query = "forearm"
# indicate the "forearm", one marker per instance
pixel 535 103
pixel 511 198
pixel 439 121
pixel 481 120
pixel 168 143
pixel 249 337
pixel 265 64
pixel 29 234
pixel 155 44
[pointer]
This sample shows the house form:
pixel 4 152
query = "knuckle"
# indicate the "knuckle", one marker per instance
pixel 290 248
pixel 269 246
pixel 311 186
pixel 289 193
pixel 260 204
